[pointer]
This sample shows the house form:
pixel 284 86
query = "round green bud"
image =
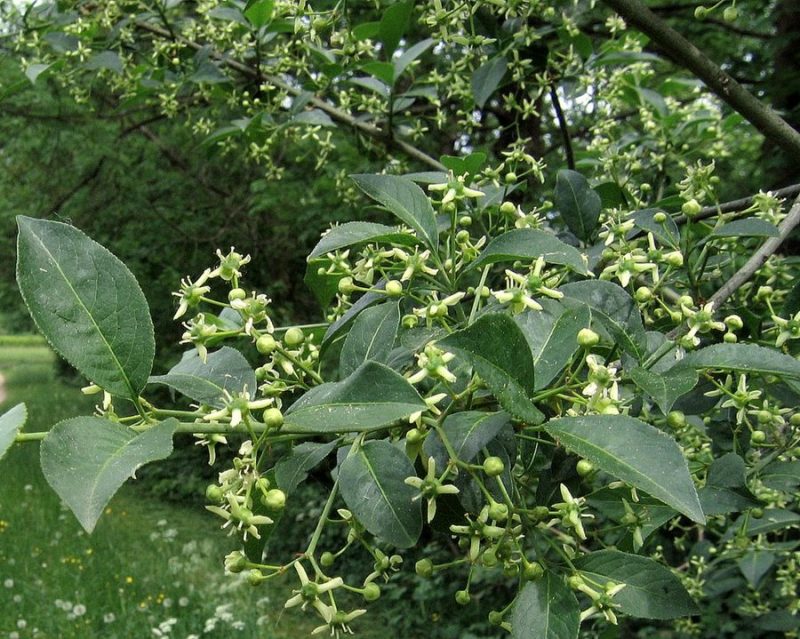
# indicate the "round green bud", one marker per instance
pixel 757 513
pixel 608 254
pixel 294 336
pixel 326 559
pixel 700 13
pixel 764 416
pixel 691 208
pixel 266 344
pixel 275 499
pixel 660 217
pixel 734 322
pixel 346 286
pixel 236 294
pixel 730 338
pixel 214 494
pixel 510 177
pixel 674 259
pixel 794 420
pixel 508 208
pixel 462 237
pixel 319 23
pixel 414 436
pixel 493 466
pixel 372 592
pixel 498 511
pixel 409 321
pixel 465 220
pixel 643 294
pixel 540 513
pixel 236 562
pixel 489 558
pixel 462 597
pixel 758 437
pixel 273 418
pixel 584 467
pixel 495 617
pixel 730 14
pixel 676 419
pixel 588 338
pixel 255 577
pixel 394 288
pixel 532 571
pixel 424 567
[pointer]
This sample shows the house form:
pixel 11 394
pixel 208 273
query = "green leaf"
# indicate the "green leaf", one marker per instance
pixel 322 284
pixel 773 519
pixel 651 590
pixel 206 382
pixel 636 453
pixel 109 60
pixel 86 459
pixel 372 337
pixel 384 71
pixel 365 301
pixel 744 358
pixel 468 432
pixel 366 30
pixel 553 343
pixel 651 513
pixel 487 78
pixel 254 546
pixel 616 310
pixel 578 204
pixel 352 233
pixel 10 424
pixel 402 62
pixel 755 564
pixel 751 227
pixel 35 70
pixel 394 24
pixel 259 12
pixel 371 397
pixel 372 481
pixel 405 200
pixel 664 388
pixel 546 609
pixel 666 232
pixel 496 348
pixel 293 469
pixel 529 244
pixel 782 475
pixel 87 304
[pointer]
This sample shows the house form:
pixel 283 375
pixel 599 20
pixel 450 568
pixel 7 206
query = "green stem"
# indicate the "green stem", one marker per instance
pixel 323 518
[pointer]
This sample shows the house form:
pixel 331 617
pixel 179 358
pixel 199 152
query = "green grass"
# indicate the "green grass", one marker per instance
pixel 145 564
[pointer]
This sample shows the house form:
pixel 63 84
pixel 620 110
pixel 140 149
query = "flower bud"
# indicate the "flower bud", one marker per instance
pixel 424 567
pixel 758 437
pixel 584 467
pixel 294 336
pixel 532 571
pixel 346 285
pixel 327 559
pixel 588 338
pixel 730 14
pixel 643 294
pixel 255 577
pixel 273 418
pixel 676 419
pixel 660 217
pixel 508 208
pixel 692 207
pixel 275 499
pixel 510 177
pixel 394 288
pixel 266 344
pixel 700 13
pixel 372 592
pixel 493 466
pixel 214 494
pixel 462 597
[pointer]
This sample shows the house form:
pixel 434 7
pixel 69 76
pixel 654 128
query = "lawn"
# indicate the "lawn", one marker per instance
pixel 149 569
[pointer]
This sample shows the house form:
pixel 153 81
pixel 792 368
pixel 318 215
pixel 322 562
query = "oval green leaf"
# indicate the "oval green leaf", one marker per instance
pixel 10 424
pixel 651 590
pixel 372 397
pixel 546 609
pixel 225 370
pixel 496 348
pixel 636 453
pixel 87 304
pixel 352 233
pixel 468 432
pixel 529 244
pixel 372 482
pixel 86 459
pixel 371 338
pixel 745 358
pixel 577 202
pixel 405 200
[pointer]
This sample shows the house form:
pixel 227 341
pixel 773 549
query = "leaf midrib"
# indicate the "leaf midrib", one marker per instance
pixel 114 357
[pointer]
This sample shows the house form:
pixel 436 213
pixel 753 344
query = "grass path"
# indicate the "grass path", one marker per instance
pixel 148 570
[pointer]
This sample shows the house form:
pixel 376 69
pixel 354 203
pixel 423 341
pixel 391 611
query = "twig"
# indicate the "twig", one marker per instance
pixel 334 112
pixel 753 264
pixel 737 205
pixel 759 257
pixel 723 85
pixel 562 124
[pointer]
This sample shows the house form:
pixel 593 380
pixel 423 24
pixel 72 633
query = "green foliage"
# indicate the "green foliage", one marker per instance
pixel 516 317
